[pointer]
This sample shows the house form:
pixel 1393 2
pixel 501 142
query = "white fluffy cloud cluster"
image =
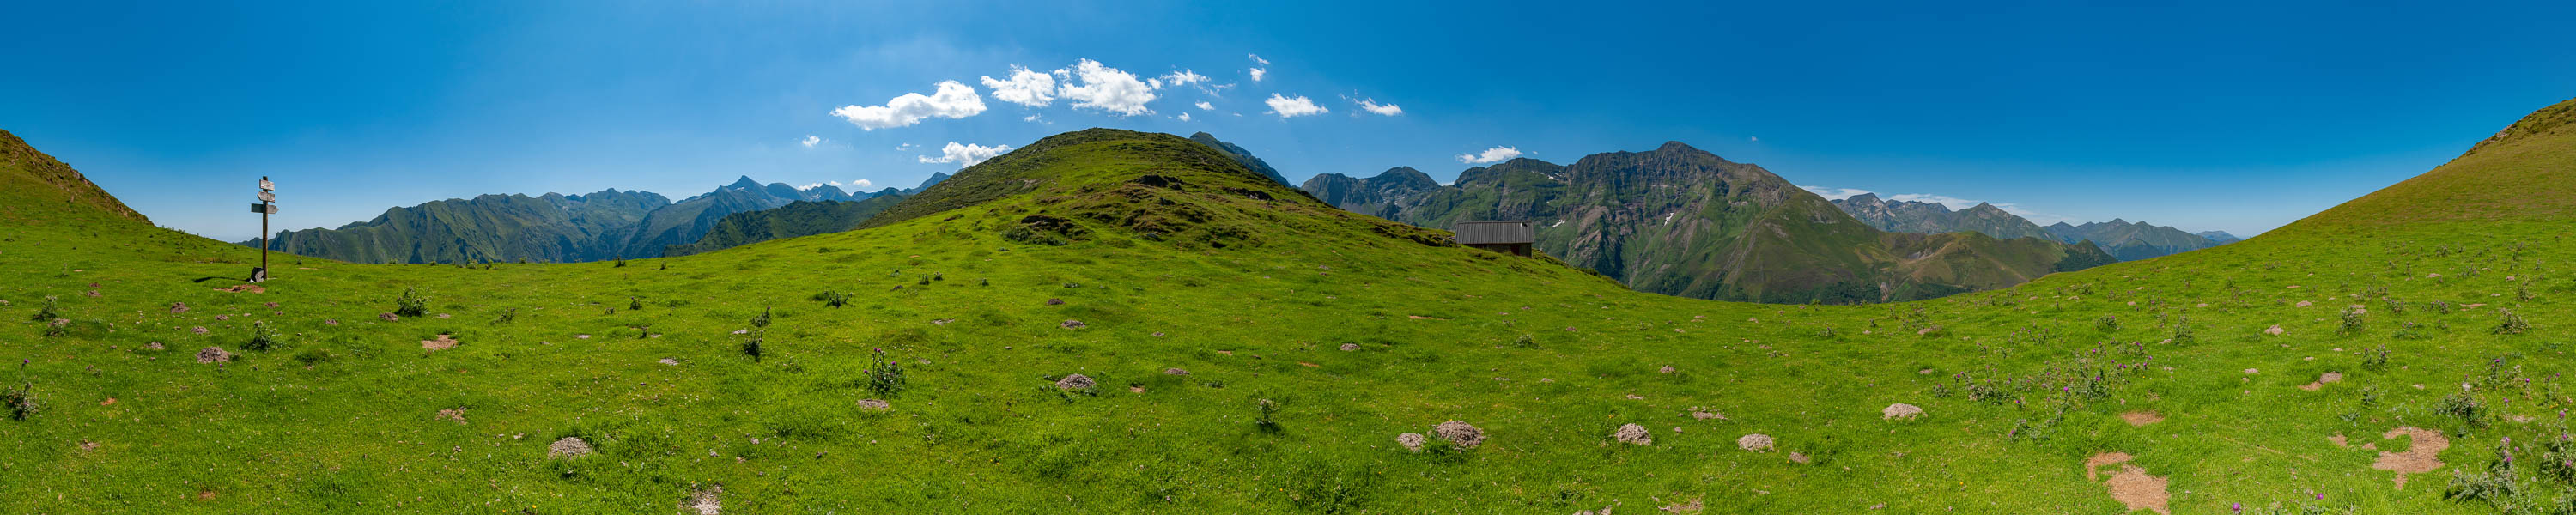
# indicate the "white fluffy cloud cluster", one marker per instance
pixel 966 155
pixel 1288 107
pixel 1491 155
pixel 951 100
pixel 811 140
pixel 1371 105
pixel 1025 87
pixel 1107 89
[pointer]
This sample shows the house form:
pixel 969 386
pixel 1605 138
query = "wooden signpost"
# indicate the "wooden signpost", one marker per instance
pixel 267 206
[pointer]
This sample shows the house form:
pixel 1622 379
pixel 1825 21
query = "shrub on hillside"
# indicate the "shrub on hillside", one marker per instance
pixel 21 401
pixel 2511 323
pixel 411 304
pixel 831 298
pixel 262 337
pixel 2464 407
pixel 46 313
pixel 885 378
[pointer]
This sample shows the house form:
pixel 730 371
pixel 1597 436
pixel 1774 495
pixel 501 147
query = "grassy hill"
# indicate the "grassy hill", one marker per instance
pixel 1311 339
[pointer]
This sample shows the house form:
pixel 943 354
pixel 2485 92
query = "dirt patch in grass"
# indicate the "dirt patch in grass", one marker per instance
pixel 1460 434
pixel 568 447
pixel 2141 418
pixel 875 404
pixel 704 501
pixel 245 288
pixel 1410 441
pixel 456 414
pixel 1694 506
pixel 213 355
pixel 2338 440
pixel 443 342
pixel 2130 485
pixel 1756 442
pixel 1900 411
pixel 2423 454
pixel 1634 434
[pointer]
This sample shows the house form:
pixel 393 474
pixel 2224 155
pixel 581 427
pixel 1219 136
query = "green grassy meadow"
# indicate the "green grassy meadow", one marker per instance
pixel 1255 299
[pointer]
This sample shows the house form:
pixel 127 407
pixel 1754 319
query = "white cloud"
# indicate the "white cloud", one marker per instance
pixel 1371 105
pixel 903 147
pixel 1185 117
pixel 1182 78
pixel 1835 193
pixel 1204 106
pixel 953 100
pixel 1287 107
pixel 966 155
pixel 1491 155
pixel 1028 88
pixel 1107 89
pixel 812 140
pixel 1258 73
pixel 1029 118
pixel 861 183
pixel 1257 58
pixel 1753 139
pixel 812 186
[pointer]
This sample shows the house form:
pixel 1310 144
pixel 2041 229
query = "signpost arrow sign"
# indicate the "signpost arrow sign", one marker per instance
pixel 267 194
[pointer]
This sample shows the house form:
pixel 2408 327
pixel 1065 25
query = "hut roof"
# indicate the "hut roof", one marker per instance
pixel 1480 233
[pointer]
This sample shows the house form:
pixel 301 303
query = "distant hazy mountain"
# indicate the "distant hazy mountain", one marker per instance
pixel 1383 196
pixel 1934 218
pixel 2123 239
pixel 2132 240
pixel 2219 237
pixel 554 227
pixel 1241 156
pixel 802 218
pixel 1680 221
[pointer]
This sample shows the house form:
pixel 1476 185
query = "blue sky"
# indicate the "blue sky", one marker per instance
pixel 2201 115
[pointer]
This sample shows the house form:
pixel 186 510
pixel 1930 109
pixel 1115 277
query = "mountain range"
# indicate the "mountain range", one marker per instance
pixel 1681 221
pixel 2125 240
pixel 1134 301
pixel 554 227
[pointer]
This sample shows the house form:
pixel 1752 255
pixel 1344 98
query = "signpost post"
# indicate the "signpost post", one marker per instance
pixel 267 206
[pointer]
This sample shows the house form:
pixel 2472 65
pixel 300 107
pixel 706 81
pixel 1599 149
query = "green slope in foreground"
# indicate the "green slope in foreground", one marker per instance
pixel 2020 386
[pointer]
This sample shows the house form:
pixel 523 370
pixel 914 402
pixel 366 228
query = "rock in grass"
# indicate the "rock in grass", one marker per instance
pixel 1175 372
pixel 2274 331
pixel 1756 442
pixel 1633 434
pixel 1901 411
pixel 1075 382
pixel 568 447
pixel 1072 324
pixel 875 404
pixel 1348 347
pixel 1410 441
pixel 1460 434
